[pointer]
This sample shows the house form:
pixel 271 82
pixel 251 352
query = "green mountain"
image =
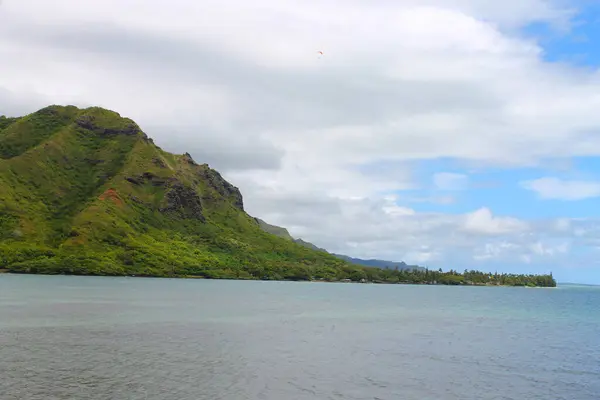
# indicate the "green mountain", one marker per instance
pixel 274 230
pixel 282 232
pixel 85 191
pixel 309 245
pixel 379 263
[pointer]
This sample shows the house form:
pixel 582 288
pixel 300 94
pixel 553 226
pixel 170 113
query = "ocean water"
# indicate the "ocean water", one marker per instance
pixel 135 338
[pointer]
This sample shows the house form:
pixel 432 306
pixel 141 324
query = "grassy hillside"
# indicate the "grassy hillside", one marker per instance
pixel 87 192
pixel 274 230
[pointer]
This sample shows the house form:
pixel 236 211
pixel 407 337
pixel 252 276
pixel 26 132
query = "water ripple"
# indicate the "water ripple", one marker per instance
pixel 100 338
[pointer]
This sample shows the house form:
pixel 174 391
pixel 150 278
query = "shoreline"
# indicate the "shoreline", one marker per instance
pixel 8 272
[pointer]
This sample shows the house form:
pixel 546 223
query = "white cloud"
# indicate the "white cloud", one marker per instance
pixel 558 189
pixel 541 249
pixel 450 181
pixel 423 80
pixel 366 228
pixel 482 221
pixel 494 250
pixel 317 143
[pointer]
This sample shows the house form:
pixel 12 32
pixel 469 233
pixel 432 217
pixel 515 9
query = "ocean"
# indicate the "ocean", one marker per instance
pixel 65 337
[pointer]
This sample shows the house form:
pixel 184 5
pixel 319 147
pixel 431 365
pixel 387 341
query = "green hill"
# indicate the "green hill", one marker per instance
pixel 85 191
pixel 382 264
pixel 274 230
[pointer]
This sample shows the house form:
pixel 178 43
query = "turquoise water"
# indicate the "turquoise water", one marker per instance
pixel 135 338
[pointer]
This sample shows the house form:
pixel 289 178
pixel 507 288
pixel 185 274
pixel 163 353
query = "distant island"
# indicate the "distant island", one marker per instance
pixel 87 192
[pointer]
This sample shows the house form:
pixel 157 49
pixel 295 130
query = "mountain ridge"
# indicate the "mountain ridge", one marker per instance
pixel 284 233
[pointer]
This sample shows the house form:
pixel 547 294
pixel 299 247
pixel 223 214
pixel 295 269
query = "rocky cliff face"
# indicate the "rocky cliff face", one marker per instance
pixel 183 201
pixel 90 123
pixel 225 189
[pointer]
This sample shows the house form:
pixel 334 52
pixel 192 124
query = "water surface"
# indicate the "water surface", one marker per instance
pixel 135 338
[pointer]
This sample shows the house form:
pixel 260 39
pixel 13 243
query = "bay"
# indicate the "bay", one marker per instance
pixel 65 337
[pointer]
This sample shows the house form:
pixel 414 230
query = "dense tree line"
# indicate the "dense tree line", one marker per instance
pixel 170 262
pixel 452 277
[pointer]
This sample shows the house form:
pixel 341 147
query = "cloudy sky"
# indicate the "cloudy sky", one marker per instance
pixel 449 133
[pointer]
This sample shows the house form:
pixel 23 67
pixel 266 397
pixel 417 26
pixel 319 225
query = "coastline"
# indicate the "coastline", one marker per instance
pixel 346 281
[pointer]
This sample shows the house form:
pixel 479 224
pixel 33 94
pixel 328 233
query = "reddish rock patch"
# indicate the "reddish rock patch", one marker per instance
pixel 79 240
pixel 112 195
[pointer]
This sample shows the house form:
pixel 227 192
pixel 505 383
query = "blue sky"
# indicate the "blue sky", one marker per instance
pixel 578 46
pixel 500 188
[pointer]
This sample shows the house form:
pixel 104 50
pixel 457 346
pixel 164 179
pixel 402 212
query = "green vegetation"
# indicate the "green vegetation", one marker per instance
pixel 87 192
pixel 476 278
pixel 283 233
pixel 274 230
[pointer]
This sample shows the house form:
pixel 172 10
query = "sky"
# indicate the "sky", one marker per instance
pixel 445 133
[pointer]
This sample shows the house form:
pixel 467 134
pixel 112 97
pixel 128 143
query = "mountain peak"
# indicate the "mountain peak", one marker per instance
pixel 188 158
pixel 107 123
